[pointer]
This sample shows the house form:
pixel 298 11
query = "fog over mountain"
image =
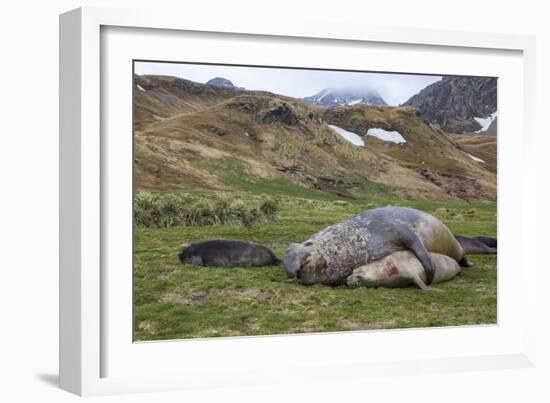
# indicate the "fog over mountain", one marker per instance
pixel 346 96
pixel 394 89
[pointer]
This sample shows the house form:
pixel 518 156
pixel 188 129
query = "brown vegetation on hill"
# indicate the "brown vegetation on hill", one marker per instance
pixel 183 131
pixel 482 146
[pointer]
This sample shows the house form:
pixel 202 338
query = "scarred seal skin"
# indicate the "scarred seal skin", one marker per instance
pixel 401 269
pixel 227 253
pixel 331 255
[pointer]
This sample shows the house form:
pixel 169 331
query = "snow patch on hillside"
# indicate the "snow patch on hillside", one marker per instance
pixel 485 122
pixel 352 137
pixel 141 88
pixel 386 135
pixel 324 95
pixel 476 159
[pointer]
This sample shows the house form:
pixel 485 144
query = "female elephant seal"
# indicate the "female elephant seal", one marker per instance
pixel 401 269
pixel 228 253
pixel 331 255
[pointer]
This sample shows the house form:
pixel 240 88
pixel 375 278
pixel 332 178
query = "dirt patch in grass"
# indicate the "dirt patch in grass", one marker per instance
pixel 251 293
pixel 383 324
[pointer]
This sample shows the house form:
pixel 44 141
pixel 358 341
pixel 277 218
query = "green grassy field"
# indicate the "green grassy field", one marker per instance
pixel 175 301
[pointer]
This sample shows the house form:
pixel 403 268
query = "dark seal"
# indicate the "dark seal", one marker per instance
pixel 490 242
pixel 331 255
pixel 479 245
pixel 227 253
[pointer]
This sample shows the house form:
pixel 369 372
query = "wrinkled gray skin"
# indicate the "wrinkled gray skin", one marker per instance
pixel 477 245
pixel 331 255
pixel 228 253
pixel 402 269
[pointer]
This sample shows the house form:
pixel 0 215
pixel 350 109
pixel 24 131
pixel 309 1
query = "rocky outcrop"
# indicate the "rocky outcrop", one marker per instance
pixel 221 82
pixel 454 102
pixel 268 110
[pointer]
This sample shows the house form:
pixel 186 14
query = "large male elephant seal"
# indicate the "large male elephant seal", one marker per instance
pixel 479 245
pixel 330 256
pixel 228 253
pixel 401 269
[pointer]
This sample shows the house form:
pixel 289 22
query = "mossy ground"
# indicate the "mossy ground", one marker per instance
pixel 175 301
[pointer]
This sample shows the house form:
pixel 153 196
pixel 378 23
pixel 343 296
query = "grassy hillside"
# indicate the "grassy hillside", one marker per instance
pixel 481 146
pixel 427 150
pixel 159 97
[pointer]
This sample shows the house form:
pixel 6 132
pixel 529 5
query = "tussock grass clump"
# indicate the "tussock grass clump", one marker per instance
pixel 341 203
pixel 165 210
pixel 450 214
pixel 270 209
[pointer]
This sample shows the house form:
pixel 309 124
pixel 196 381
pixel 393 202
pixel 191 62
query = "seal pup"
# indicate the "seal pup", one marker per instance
pixel 331 255
pixel 401 269
pixel 228 253
pixel 477 245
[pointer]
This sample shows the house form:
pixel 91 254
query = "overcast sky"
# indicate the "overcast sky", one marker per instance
pixel 394 88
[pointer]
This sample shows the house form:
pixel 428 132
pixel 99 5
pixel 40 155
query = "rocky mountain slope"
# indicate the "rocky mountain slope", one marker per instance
pixel 458 104
pixel 201 136
pixel 222 82
pixel 333 97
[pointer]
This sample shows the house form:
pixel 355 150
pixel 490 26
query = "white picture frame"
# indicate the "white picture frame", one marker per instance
pixel 85 309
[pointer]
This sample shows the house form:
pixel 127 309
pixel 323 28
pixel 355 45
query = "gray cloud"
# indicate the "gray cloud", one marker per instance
pixel 394 88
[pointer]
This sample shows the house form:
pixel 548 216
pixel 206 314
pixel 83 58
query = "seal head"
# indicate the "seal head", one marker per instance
pixel 305 263
pixel 296 256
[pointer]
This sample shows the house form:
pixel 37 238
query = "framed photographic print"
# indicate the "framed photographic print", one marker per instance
pixel 236 197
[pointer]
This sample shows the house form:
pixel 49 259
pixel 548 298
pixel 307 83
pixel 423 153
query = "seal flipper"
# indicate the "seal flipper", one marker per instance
pixel 417 247
pixel 464 262
pixel 418 281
